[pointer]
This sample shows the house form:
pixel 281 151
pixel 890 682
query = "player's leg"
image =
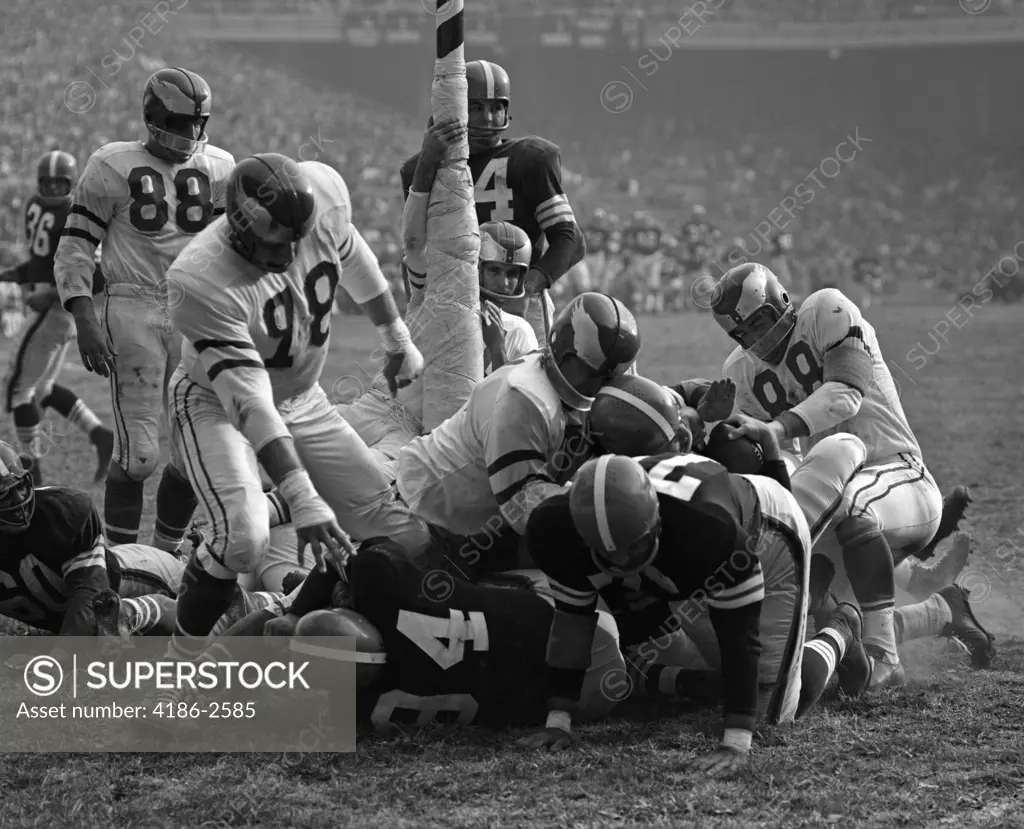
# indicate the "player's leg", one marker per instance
pixel 281 558
pixel 892 506
pixel 345 474
pixel 820 480
pixel 40 339
pixel 947 612
pixel 175 499
pixel 75 411
pixel 134 324
pixel 146 571
pixel 222 469
pixel 607 681
pixel 384 425
pixel 921 579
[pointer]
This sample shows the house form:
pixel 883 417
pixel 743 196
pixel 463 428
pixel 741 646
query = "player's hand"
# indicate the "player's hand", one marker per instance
pixel 281 625
pixel 553 739
pixel 493 327
pixel 720 762
pixel 328 541
pixel 403 368
pixel 94 346
pixel 536 281
pixel 441 135
pixel 741 425
pixel 718 401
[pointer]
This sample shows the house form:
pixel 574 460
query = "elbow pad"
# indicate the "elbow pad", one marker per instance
pixel 361 275
pixel 828 406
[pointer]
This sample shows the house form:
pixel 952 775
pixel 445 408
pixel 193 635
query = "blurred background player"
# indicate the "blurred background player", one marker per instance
pixel 31 384
pixel 144 201
pixel 517 180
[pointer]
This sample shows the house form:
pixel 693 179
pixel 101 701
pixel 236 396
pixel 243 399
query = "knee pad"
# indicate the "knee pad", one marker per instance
pixel 819 482
pixel 244 547
pixel 855 529
pixel 141 466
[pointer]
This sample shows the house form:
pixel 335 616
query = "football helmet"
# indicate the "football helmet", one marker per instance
pixel 176 105
pixel 17 495
pixel 753 308
pixel 634 416
pixel 615 510
pixel 56 174
pixel 506 248
pixel 593 339
pixel 486 81
pixel 369 657
pixel 270 207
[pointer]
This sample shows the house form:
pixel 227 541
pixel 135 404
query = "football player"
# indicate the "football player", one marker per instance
pixel 258 287
pixel 517 180
pixel 816 371
pixel 452 651
pixel 31 383
pixel 388 423
pixel 478 476
pixel 144 201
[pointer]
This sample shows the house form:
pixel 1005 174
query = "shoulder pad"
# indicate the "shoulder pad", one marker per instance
pixel 733 363
pixel 218 153
pixel 529 379
pixel 115 148
pixel 65 507
pixel 536 145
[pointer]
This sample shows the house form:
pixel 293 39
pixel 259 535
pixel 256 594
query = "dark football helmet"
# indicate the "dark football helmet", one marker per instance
pixel 753 308
pixel 593 339
pixel 506 248
pixel 486 81
pixel 176 105
pixel 17 495
pixel 634 416
pixel 270 208
pixel 56 174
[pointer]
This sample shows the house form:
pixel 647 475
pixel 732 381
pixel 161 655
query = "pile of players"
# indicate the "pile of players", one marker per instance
pixel 570 514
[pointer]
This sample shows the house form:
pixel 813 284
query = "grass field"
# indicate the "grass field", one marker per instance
pixel 946 750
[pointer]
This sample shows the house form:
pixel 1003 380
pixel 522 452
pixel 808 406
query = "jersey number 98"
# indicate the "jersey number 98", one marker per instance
pixel 319 287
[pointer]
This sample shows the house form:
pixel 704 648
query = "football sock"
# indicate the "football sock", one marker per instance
pixel 175 504
pixel 926 618
pixel 154 615
pixel 821 656
pixel 69 406
pixel 869 568
pixel 29 431
pixel 122 510
pixel 245 603
pixel 667 681
pixel 204 597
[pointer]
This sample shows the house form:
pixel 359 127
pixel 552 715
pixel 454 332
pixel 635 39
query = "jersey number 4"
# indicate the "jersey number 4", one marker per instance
pixel 492 188
pixel 279 313
pixel 149 210
pixel 427 632
pixel 40 223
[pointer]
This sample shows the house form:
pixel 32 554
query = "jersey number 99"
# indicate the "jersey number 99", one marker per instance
pixel 149 210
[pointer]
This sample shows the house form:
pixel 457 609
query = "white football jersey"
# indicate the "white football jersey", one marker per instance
pixel 248 332
pixel 465 474
pixel 825 319
pixel 143 209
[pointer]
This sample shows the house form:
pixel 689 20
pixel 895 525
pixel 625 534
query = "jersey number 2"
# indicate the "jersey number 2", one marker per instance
pixel 149 210
pixel 492 188
pixel 279 313
pixel 427 632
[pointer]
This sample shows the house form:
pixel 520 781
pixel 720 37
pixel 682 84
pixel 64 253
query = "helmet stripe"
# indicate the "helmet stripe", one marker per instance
pixel 53 164
pixel 600 507
pixel 306 649
pixel 488 78
pixel 643 406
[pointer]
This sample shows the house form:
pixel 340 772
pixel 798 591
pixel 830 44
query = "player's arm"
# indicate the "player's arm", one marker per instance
pixel 364 281
pixel 561 554
pixel 93 204
pixel 218 188
pixel 520 339
pixel 566 243
pixel 847 369
pixel 85 574
pixel 735 595
pixel 517 459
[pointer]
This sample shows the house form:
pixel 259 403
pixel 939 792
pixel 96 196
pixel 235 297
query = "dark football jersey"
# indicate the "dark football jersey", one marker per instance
pixel 478 656
pixel 49 574
pixel 708 517
pixel 43 227
pixel 519 181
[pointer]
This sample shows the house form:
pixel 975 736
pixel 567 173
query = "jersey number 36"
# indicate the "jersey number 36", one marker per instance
pixel 460 629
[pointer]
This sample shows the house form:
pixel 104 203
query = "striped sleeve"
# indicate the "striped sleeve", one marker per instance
pixel 841 335
pixel 543 181
pixel 93 204
pixel 517 458
pixel 84 574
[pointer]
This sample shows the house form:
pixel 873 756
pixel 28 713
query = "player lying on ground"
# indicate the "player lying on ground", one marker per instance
pixel 817 370
pixel 257 287
pixel 143 201
pixel 636 417
pixel 517 180
pixel 31 383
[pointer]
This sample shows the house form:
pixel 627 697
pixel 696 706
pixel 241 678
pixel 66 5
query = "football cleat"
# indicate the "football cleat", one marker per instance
pixel 106 608
pixel 954 507
pixel 854 671
pixel 883 674
pixel 965 629
pixel 929 578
